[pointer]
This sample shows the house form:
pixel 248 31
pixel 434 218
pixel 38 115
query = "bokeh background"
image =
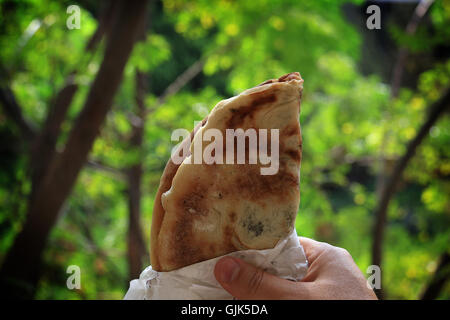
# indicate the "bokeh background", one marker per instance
pixel 81 157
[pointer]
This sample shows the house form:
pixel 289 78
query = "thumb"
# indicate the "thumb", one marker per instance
pixel 244 281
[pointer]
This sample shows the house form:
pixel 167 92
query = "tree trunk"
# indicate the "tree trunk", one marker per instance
pixel 20 270
pixel 136 246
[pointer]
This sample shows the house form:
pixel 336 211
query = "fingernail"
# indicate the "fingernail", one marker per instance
pixel 228 270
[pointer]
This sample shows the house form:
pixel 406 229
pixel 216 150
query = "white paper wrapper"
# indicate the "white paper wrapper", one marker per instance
pixel 196 282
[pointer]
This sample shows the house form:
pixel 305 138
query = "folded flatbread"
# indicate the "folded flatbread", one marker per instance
pixel 203 211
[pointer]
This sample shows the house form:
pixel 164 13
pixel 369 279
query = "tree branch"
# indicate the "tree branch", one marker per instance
pixel 107 15
pixel 14 112
pixel 43 149
pixel 439 278
pixel 191 72
pixel 396 80
pixel 182 80
pixel 117 173
pixel 419 13
pixel 436 110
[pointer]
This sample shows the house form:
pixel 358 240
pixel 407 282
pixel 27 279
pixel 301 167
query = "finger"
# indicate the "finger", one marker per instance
pixel 312 248
pixel 244 281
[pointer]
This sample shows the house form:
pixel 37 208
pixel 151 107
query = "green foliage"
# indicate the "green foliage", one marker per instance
pixel 349 122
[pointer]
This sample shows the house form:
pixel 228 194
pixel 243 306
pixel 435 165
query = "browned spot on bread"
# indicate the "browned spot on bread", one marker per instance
pixel 289 76
pixel 294 154
pixel 266 82
pixel 227 235
pixel 228 232
pixel 291 130
pixel 286 77
pixel 182 243
pixel 232 216
pixel 193 207
pixel 252 185
pixel 238 115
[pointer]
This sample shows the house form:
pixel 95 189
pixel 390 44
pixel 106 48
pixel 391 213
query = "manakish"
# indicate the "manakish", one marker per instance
pixel 204 211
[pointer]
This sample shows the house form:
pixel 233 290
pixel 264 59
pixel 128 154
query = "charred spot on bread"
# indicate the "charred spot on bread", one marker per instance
pixel 250 223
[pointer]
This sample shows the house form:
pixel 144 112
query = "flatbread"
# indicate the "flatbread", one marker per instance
pixel 203 211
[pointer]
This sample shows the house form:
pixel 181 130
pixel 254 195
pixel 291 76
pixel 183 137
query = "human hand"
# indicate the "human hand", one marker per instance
pixel 332 274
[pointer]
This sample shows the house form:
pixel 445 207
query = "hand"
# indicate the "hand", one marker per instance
pixel 332 274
